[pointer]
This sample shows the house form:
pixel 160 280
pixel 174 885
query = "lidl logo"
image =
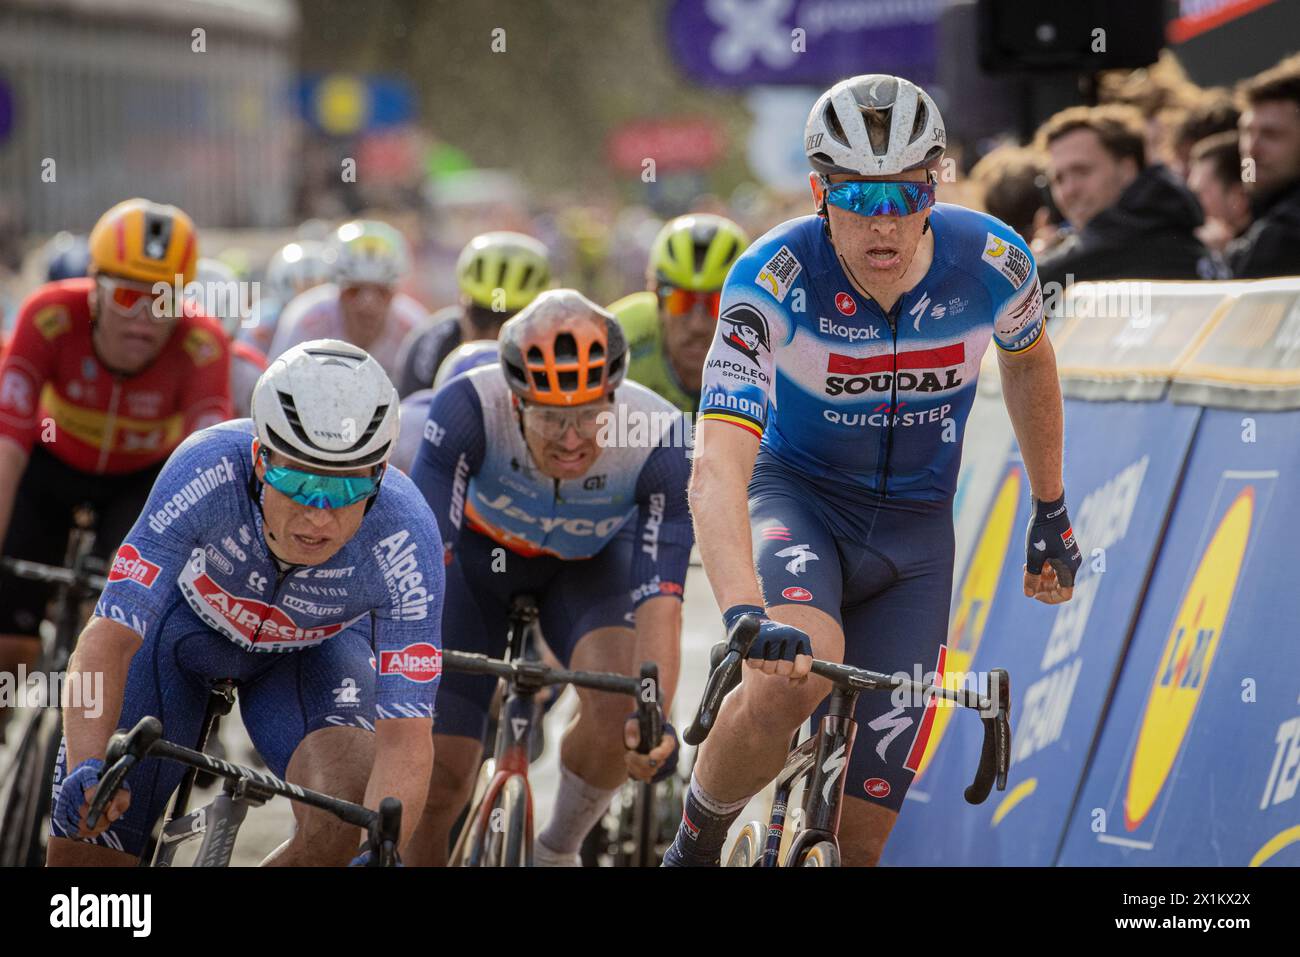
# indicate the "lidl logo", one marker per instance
pixel 1185 662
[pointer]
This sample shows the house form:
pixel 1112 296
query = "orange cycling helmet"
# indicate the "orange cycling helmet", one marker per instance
pixel 145 241
pixel 563 349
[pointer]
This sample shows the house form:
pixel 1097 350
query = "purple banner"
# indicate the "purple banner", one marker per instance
pixel 741 43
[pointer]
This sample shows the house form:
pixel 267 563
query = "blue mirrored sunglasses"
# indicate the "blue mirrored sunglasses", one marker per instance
pixel 320 491
pixel 881 198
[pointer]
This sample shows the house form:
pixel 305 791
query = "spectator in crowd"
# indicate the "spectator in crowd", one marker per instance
pixel 1162 93
pixel 1013 185
pixel 1213 112
pixel 1214 175
pixel 1131 220
pixel 1270 147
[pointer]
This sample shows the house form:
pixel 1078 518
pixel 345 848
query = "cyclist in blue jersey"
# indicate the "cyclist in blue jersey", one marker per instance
pixel 836 392
pixel 551 475
pixel 280 552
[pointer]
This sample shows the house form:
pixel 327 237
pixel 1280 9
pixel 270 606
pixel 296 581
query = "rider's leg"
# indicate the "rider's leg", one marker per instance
pixel 455 761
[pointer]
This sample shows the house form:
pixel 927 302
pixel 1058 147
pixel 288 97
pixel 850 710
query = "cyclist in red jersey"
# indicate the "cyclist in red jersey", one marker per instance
pixel 101 379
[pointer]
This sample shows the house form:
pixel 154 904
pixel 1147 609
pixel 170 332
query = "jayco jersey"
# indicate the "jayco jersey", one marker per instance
pixel 197 558
pixel 841 390
pixel 474 467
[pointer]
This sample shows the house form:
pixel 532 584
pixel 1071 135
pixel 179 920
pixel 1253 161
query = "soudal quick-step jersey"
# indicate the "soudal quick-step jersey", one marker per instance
pixel 474 467
pixel 197 559
pixel 841 390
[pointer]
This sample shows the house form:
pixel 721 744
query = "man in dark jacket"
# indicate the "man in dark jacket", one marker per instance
pixel 1270 150
pixel 1129 220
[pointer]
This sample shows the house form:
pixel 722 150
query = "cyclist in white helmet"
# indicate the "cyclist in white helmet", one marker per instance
pixel 362 305
pixel 294 269
pixel 222 298
pixel 282 552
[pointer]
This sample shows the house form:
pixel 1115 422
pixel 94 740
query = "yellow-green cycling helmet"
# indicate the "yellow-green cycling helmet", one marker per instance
pixel 516 265
pixel 695 252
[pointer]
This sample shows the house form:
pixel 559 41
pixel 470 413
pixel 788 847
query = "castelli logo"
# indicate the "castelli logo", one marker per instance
pixel 845 304
pixel 877 787
pixel 796 593
pixel 420 662
pixel 128 565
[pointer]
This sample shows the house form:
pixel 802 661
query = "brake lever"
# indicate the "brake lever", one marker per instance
pixel 720 681
pixel 995 753
pixel 648 714
pixel 125 750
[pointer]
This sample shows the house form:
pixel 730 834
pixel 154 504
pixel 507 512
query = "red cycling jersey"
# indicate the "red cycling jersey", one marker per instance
pixel 54 388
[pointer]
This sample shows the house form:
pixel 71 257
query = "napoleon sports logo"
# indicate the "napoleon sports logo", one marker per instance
pixel 745 330
pixel 920 370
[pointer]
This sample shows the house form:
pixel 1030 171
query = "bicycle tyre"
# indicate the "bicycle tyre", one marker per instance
pixel 821 854
pixel 748 849
pixel 508 843
pixel 24 823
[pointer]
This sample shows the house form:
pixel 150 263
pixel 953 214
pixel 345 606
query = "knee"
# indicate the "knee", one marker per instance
pixel 773 705
pixel 452 778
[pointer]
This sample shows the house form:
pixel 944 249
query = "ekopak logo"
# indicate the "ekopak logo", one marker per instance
pixel 845 304
pixel 129 565
pixel 420 662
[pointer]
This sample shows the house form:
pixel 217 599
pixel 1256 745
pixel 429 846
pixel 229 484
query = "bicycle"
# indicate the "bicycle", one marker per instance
pixel 498 830
pixel 218 823
pixel 24 820
pixel 820 760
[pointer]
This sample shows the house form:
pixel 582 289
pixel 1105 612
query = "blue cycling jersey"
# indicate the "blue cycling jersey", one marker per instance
pixel 839 389
pixel 196 558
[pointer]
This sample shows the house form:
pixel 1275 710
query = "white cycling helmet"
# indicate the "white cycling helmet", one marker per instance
pixel 327 404
pixel 221 297
pixel 366 250
pixel 906 131
pixel 297 267
pixel 469 355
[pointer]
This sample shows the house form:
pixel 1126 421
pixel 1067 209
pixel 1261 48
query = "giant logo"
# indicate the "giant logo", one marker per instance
pixel 921 370
pixel 1185 662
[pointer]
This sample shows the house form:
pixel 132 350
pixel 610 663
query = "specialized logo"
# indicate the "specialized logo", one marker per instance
pixel 876 787
pixel 779 273
pixel 829 327
pixel 799 558
pixel 420 662
pixel 918 310
pixel 845 304
pixel 130 565
pixel 1184 667
pixel 745 330
pixel 1008 259
pixel 834 767
pixel 796 593
pixel 922 370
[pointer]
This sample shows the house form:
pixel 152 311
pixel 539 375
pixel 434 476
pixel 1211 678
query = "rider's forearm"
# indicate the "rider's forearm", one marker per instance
pixel 13 462
pixel 658 639
pixel 1032 393
pixel 95 686
pixel 719 495
pixel 403 762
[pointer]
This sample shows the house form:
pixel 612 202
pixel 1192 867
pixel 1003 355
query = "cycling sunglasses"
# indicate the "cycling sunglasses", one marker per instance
pixel 681 302
pixel 319 491
pixel 554 424
pixel 881 197
pixel 128 297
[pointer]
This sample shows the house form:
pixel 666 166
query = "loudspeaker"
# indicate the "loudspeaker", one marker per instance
pixel 1070 36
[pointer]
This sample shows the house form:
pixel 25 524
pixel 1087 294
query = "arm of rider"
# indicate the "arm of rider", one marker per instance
pixel 658 639
pixel 13 462
pixel 98 667
pixel 719 494
pixel 403 763
pixel 1032 393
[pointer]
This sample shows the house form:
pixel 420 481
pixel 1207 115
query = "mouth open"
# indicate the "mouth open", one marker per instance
pixel 883 257
pixel 308 543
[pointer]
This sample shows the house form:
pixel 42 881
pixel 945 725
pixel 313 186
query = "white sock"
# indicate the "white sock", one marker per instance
pixel 578 807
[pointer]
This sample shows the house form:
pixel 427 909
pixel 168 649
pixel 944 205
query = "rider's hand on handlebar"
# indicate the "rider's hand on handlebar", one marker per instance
pixel 778 649
pixel 662 759
pixel 78 791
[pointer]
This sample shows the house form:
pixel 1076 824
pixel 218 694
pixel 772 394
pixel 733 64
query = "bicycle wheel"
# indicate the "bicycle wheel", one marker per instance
pixel 508 843
pixel 748 848
pixel 24 823
pixel 821 854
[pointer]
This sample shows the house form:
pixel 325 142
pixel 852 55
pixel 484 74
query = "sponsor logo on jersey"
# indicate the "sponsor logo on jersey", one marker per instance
pixel 17 393
pixel 593 483
pixel 191 492
pixel 1025 313
pixel 745 330
pixel 654 518
pixel 237 553
pixel 799 556
pixel 344 572
pixel 879 416
pixel 433 432
pixel 248 622
pixel 922 370
pixel 52 321
pixel 655 587
pixel 736 370
pixel 797 593
pixel 130 565
pixel 829 327
pixel 218 559
pixel 144 405
pixel 201 346
pixel 1008 259
pixel 549 523
pixel 396 558
pixel 718 400
pixel 294 603
pixel 456 511
pixel 778 273
pixel 420 662
pixel 845 304
pixel 876 787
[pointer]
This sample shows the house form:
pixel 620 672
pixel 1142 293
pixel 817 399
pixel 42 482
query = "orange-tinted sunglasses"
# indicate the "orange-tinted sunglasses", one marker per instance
pixel 681 302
